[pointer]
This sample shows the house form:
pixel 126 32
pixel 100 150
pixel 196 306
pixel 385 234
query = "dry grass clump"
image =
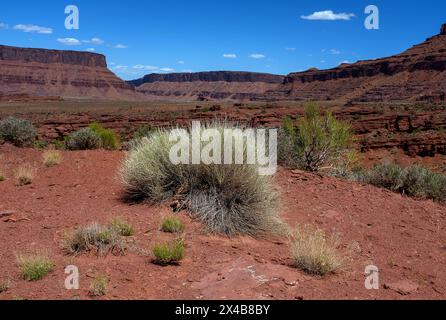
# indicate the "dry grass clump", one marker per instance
pixel 172 224
pixel 229 199
pixel 25 174
pixel 51 158
pixel 170 252
pixel 2 175
pixel 35 266
pixel 98 287
pixel 93 237
pixel 121 227
pixel 315 253
pixel 4 285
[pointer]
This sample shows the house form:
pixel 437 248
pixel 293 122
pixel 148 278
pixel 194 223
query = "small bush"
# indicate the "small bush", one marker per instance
pixel 84 139
pixel 414 181
pixel 98 287
pixel 109 139
pixel 172 224
pixel 21 133
pixel 229 199
pixel 320 141
pixel 314 253
pixel 2 178
pixel 51 158
pixel 169 253
pixel 35 266
pixel 25 174
pixel 121 227
pixel 93 236
pixel 143 131
pixel 40 144
pixel 4 285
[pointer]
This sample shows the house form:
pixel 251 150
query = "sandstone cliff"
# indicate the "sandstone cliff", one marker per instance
pixel 215 85
pixel 40 73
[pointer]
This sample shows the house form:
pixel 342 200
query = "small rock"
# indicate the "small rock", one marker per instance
pixel 403 287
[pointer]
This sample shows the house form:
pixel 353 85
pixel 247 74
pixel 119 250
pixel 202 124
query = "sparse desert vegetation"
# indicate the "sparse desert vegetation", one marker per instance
pixel 171 252
pixel 314 252
pixel 19 132
pixel 83 139
pixel 121 227
pixel 109 139
pixel 34 266
pixel 4 285
pixel 98 287
pixel 172 224
pixel 51 158
pixel 25 174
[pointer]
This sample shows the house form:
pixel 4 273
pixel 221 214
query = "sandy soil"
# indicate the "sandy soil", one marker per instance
pixel 403 237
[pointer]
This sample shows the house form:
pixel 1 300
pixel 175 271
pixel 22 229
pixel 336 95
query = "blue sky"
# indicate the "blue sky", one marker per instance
pixel 140 37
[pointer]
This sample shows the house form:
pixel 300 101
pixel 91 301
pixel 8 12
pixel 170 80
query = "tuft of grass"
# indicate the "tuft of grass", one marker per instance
pixel 315 253
pixel 121 227
pixel 93 236
pixel 19 132
pixel 229 199
pixel 98 287
pixel 4 285
pixel 25 174
pixel 109 139
pixel 172 224
pixel 2 175
pixel 51 158
pixel 169 253
pixel 35 266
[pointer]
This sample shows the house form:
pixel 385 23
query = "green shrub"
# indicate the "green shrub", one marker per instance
pixel 229 199
pixel 320 141
pixel 35 266
pixel 40 144
pixel 172 224
pixel 84 139
pixel 98 287
pixel 314 253
pixel 109 139
pixel 19 132
pixel 2 178
pixel 414 181
pixel 169 253
pixel 93 236
pixel 143 131
pixel 121 227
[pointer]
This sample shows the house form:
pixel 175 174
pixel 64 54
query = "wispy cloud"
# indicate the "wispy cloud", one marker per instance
pixel 121 46
pixel 334 51
pixel 33 28
pixel 3 26
pixel 180 62
pixel 69 41
pixel 257 56
pixel 290 49
pixel 95 41
pixel 328 15
pixel 229 56
pixel 141 69
pixel 90 49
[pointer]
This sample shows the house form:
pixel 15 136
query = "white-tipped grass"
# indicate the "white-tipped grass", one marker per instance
pixel 25 174
pixel 34 266
pixel 230 198
pixel 51 158
pixel 93 237
pixel 121 227
pixel 314 252
pixel 98 287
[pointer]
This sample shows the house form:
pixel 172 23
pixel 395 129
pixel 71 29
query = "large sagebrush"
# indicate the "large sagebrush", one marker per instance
pixel 19 132
pixel 230 199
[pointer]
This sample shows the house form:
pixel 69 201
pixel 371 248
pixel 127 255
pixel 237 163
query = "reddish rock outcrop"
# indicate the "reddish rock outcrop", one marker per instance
pixel 40 73
pixel 417 74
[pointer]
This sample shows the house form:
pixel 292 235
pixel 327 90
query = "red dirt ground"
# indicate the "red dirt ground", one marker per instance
pixel 404 237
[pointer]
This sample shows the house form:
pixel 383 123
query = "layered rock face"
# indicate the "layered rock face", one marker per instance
pixel 40 73
pixel 216 85
pixel 417 74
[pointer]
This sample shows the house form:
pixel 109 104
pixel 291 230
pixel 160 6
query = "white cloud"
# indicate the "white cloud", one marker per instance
pixel 90 49
pixel 229 56
pixel 187 70
pixel 334 51
pixel 290 49
pixel 328 15
pixel 257 56
pixel 180 62
pixel 166 70
pixel 33 28
pixel 121 46
pixel 141 69
pixel 3 26
pixel 69 41
pixel 344 62
pixel 95 41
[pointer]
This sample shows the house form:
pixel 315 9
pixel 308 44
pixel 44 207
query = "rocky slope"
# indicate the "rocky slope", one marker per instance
pixel 39 73
pixel 215 85
pixel 417 74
